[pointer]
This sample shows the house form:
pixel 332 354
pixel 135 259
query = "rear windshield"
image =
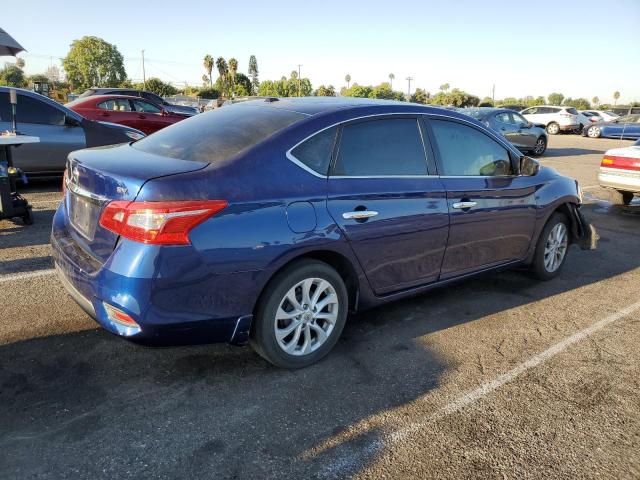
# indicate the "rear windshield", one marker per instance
pixel 218 135
pixel 87 93
pixel 572 111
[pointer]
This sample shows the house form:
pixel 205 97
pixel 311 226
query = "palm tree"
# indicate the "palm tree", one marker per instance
pixel 595 101
pixel 221 64
pixel 444 87
pixel 208 66
pixel 616 96
pixel 347 78
pixel 233 69
pixel 391 78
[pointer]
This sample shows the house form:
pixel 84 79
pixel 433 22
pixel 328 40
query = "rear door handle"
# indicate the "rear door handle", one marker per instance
pixel 463 205
pixel 358 215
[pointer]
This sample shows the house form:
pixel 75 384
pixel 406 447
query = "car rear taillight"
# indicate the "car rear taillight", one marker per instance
pixel 159 223
pixel 624 163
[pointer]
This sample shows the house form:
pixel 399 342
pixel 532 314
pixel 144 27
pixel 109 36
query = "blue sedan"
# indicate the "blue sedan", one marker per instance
pixel 625 127
pixel 269 221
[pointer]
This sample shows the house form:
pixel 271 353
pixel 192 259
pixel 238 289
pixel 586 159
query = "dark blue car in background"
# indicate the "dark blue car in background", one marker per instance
pixel 625 127
pixel 268 221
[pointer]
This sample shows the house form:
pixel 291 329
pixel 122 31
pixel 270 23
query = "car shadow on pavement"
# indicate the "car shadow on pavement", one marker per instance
pixel 569 152
pixel 90 405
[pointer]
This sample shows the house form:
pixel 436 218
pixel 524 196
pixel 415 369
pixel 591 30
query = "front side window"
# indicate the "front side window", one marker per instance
pixel 383 147
pixel 518 119
pixel 315 152
pixel 31 110
pixel 142 106
pixel 465 151
pixel 116 105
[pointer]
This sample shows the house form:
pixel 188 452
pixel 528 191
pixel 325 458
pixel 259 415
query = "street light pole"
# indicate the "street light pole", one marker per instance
pixel 299 85
pixel 409 86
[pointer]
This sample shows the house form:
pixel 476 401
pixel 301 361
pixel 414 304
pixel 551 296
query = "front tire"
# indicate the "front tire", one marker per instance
pixel 540 147
pixel 301 314
pixel 620 197
pixel 552 247
pixel 553 128
pixel 594 132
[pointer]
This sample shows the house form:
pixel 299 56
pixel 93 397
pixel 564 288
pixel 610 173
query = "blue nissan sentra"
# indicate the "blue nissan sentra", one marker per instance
pixel 269 221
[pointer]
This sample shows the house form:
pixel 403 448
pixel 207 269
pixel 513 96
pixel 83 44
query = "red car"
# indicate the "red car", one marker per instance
pixel 133 112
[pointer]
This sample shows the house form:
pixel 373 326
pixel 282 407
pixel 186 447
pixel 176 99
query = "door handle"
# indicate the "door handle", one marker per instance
pixel 463 205
pixel 359 215
pixel 141 116
pixel 104 114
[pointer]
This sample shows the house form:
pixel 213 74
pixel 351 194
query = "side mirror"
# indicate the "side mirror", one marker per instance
pixel 528 166
pixel 70 121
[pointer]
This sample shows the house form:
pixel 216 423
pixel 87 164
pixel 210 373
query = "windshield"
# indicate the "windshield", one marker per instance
pixel 219 134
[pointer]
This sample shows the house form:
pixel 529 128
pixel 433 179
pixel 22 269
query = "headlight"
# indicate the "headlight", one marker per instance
pixel 134 135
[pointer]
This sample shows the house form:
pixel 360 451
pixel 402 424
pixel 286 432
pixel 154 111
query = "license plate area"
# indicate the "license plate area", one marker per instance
pixel 83 214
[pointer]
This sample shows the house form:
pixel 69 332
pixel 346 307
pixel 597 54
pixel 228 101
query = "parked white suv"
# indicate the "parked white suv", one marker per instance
pixel 555 119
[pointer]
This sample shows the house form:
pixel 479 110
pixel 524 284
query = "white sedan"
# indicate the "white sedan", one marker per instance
pixel 620 173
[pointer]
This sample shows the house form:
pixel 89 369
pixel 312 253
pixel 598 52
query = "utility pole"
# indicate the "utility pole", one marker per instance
pixel 493 95
pixel 409 86
pixel 299 84
pixel 144 77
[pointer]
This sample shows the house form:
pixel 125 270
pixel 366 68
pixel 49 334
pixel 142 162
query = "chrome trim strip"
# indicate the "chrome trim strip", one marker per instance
pixel 300 164
pixel 72 187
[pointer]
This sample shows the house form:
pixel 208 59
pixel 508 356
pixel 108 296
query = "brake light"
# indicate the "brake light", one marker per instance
pixel 623 163
pixel 159 223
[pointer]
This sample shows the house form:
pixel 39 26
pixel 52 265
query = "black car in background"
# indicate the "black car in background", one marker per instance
pixel 522 134
pixel 59 129
pixel 170 107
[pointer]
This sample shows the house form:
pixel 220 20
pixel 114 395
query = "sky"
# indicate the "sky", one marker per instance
pixel 580 48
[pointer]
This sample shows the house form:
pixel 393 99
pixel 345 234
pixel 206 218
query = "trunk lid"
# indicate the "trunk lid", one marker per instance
pixel 97 176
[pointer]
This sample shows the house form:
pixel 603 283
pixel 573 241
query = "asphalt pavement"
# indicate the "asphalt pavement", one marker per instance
pixel 501 376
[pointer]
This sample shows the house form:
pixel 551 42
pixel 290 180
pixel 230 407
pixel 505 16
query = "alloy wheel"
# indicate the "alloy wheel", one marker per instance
pixel 540 147
pixel 553 129
pixel 593 132
pixel 306 316
pixel 556 247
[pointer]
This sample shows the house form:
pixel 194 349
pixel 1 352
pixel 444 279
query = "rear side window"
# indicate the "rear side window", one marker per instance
pixel 31 110
pixel 116 104
pixel 465 151
pixel 381 148
pixel 315 152
pixel 220 134
pixel 572 111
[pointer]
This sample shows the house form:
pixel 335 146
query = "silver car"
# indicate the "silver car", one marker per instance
pixel 524 135
pixel 60 131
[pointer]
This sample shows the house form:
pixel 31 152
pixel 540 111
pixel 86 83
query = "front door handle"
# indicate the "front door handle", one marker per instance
pixel 359 215
pixel 463 205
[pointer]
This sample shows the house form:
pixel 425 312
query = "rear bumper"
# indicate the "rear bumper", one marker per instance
pixel 169 310
pixel 626 180
pixel 565 128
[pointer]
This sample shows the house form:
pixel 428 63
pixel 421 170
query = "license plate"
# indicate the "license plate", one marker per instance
pixel 83 216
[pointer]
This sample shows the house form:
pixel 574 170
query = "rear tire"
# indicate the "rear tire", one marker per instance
pixel 620 197
pixel 300 315
pixel 553 128
pixel 552 248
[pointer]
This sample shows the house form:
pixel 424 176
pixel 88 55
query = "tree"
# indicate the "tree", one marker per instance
pixel 209 93
pixel 616 96
pixel 486 102
pixel 391 79
pixel 555 98
pixel 579 103
pixel 384 91
pixel 12 76
pixel 208 67
pixel 233 70
pixel 347 78
pixel 93 62
pixel 221 64
pixel 20 63
pixel 420 96
pixel 323 91
pixel 286 87
pixel 253 73
pixel 444 87
pixel 158 87
pixel 595 101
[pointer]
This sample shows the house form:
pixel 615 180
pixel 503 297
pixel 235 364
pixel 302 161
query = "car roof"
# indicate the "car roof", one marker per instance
pixel 324 105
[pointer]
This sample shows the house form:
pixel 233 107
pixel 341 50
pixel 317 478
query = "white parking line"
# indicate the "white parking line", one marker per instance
pixel 22 276
pixel 353 461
